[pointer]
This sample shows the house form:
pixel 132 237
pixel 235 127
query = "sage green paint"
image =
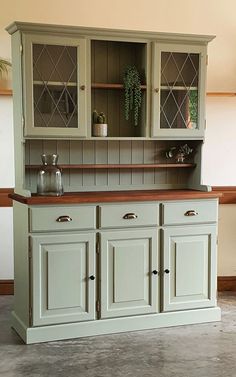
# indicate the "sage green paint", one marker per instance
pixel 124 282
pixel 54 283
pixel 175 213
pixel 175 133
pixel 189 253
pixel 114 325
pixel 45 219
pixel 30 130
pixel 112 152
pixel 113 216
pixel 108 33
pixel 18 115
pixel 62 289
pixel 81 37
pixel 22 284
pixel 128 286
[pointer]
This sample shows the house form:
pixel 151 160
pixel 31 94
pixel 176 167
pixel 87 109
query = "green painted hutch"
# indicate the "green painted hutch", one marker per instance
pixel 131 244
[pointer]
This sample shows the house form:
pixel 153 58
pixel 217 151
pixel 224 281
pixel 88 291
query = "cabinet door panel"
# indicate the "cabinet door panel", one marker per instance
pixel 189 254
pixel 178 98
pixel 62 290
pixel 55 91
pixel 128 286
pixel 69 263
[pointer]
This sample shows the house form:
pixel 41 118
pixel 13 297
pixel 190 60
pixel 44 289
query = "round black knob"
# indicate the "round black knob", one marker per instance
pixel 155 272
pixel 92 277
pixel 167 271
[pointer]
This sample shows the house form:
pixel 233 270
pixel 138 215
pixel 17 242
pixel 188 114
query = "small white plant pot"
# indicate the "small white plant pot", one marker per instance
pixel 100 129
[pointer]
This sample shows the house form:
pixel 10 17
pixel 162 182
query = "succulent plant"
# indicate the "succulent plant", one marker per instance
pixel 99 117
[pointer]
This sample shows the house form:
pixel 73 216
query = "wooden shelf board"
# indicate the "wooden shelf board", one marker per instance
pixel 184 88
pixel 54 83
pixel 98 85
pixel 118 166
pixel 5 92
pixel 116 196
pixel 8 92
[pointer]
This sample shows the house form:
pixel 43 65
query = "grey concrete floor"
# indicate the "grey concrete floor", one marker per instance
pixel 206 350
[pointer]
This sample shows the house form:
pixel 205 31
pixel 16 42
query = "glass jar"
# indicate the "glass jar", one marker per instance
pixel 49 176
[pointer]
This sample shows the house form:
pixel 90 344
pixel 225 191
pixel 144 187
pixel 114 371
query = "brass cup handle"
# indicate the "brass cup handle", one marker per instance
pixel 191 212
pixel 130 216
pixel 82 87
pixel 64 219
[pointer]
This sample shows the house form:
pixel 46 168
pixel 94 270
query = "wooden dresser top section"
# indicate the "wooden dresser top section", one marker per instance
pixel 116 196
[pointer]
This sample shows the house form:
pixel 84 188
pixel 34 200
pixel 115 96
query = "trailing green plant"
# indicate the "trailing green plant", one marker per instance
pixel 193 105
pixel 133 95
pixel 99 118
pixel 4 65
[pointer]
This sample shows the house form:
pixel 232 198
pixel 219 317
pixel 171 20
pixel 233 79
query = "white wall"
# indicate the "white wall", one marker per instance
pixel 219 152
pixel 6 244
pixel 184 16
pixel 227 240
pixel 6 180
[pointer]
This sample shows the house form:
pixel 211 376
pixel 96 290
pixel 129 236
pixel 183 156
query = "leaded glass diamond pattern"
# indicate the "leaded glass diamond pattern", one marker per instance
pixel 55 86
pixel 179 90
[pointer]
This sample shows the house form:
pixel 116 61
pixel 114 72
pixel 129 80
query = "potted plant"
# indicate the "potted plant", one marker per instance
pixel 99 124
pixel 4 65
pixel 133 95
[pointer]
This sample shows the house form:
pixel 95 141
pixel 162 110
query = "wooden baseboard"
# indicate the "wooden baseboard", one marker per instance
pixel 226 283
pixel 6 287
pixel 228 194
pixel 5 201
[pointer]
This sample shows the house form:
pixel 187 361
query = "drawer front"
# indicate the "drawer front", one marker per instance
pixel 129 215
pixel 189 212
pixel 62 218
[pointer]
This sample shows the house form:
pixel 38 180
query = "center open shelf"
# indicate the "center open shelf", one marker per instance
pixel 118 166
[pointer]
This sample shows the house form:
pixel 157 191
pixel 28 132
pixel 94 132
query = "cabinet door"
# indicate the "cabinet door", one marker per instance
pixel 178 91
pixel 62 290
pixel 55 87
pixel 129 278
pixel 189 267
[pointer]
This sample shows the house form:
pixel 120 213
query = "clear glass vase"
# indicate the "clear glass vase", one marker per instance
pixel 49 176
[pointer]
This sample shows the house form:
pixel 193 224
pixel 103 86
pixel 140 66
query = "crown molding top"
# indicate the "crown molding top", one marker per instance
pixel 92 31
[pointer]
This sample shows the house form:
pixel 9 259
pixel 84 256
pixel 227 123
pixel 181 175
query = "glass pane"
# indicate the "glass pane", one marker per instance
pixel 179 90
pixel 55 86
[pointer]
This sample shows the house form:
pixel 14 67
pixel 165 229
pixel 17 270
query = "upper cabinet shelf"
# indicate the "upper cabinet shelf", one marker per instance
pixel 112 86
pixel 66 76
pixel 184 88
pixel 97 85
pixel 120 166
pixel 54 83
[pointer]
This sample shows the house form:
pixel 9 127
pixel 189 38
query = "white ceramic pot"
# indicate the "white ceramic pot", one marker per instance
pixel 100 129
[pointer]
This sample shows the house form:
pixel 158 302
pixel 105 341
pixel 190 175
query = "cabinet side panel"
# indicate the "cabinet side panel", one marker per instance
pixel 21 263
pixel 18 114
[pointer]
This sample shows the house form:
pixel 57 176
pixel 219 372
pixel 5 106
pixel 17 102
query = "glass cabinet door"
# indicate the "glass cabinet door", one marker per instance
pixel 179 86
pixel 55 86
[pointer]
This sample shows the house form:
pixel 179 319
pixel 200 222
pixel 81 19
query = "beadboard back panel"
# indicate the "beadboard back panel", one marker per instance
pixel 109 152
pixel 109 60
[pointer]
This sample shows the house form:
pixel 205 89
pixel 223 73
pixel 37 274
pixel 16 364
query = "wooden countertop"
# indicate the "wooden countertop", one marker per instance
pixel 116 196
